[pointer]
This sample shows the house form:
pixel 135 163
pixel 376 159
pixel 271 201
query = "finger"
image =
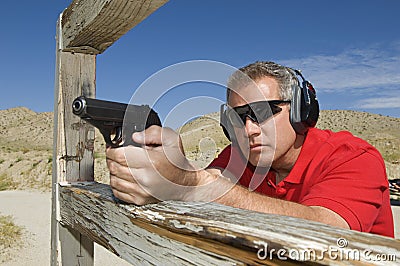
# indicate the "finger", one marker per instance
pixel 129 192
pixel 119 170
pixel 170 137
pixel 156 136
pixel 136 156
pixel 129 186
pixel 128 198
pixel 126 191
pixel 136 175
pixel 116 155
pixel 123 185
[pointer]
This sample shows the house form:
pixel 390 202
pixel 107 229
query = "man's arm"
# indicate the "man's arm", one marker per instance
pixel 159 171
pixel 240 197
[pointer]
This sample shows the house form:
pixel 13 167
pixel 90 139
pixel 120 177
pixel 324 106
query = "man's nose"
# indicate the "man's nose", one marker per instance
pixel 252 128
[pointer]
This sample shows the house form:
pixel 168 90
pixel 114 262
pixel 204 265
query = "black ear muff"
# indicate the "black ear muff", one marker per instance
pixel 304 108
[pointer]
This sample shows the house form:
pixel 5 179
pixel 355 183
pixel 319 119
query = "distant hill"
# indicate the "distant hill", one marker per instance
pixel 26 141
pixel 203 137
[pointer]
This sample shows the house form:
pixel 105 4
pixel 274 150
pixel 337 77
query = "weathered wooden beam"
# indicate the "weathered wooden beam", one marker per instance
pixel 91 26
pixel 179 233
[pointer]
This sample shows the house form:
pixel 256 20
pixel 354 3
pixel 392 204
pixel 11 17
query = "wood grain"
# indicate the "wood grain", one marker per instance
pixel 199 233
pixel 91 26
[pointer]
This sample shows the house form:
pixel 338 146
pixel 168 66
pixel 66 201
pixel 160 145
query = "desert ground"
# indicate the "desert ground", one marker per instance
pixel 31 210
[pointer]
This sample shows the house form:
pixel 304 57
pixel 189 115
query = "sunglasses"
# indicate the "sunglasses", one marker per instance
pixel 256 111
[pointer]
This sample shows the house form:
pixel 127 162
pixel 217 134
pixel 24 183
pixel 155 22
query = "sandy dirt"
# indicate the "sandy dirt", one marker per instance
pixel 32 209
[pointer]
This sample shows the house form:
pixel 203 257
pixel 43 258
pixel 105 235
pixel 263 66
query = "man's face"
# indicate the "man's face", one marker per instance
pixel 269 142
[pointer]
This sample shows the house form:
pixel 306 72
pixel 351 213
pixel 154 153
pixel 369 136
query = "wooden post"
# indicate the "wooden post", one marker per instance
pixel 73 149
pixel 86 28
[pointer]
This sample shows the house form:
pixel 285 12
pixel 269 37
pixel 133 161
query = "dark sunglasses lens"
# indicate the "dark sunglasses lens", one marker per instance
pixel 257 111
pixel 235 119
pixel 261 111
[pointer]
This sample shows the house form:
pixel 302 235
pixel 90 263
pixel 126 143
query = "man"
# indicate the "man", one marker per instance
pixel 294 168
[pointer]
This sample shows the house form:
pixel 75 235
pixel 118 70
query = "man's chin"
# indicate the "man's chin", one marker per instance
pixel 260 157
pixel 261 162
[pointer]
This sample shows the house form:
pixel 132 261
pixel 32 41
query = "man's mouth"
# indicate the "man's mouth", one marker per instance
pixel 255 147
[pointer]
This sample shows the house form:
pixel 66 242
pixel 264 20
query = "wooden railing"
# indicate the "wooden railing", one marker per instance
pixel 167 233
pixel 182 233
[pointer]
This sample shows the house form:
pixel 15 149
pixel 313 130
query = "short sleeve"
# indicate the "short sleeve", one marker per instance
pixel 222 160
pixel 353 189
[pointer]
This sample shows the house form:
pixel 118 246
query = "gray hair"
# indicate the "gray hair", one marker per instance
pixel 285 77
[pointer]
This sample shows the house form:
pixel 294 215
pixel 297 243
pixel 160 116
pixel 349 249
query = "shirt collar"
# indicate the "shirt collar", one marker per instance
pixel 307 153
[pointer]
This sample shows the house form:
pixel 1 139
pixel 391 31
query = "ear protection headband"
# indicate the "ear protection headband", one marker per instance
pixel 304 109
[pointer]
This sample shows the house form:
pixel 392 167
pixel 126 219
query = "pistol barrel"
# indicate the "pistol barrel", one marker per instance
pixel 109 118
pixel 98 109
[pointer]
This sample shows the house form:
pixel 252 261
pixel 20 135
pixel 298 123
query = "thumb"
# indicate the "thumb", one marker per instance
pixel 149 137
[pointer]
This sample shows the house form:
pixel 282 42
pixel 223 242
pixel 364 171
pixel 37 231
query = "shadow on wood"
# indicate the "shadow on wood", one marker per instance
pixel 211 234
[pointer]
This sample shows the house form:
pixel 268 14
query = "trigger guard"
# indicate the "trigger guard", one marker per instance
pixel 118 140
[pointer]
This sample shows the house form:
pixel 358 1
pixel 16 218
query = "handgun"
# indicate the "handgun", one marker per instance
pixel 115 121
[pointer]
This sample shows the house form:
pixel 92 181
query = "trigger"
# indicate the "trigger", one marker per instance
pixel 116 136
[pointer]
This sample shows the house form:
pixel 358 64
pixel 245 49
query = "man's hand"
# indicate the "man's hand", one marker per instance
pixel 159 171
pixel 156 171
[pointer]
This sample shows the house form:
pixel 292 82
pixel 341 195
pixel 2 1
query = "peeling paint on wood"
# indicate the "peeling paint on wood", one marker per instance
pixel 203 234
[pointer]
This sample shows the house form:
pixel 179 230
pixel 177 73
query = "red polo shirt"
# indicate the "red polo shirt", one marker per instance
pixel 337 171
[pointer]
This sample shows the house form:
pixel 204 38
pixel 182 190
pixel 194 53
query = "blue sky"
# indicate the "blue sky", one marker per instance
pixel 349 49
